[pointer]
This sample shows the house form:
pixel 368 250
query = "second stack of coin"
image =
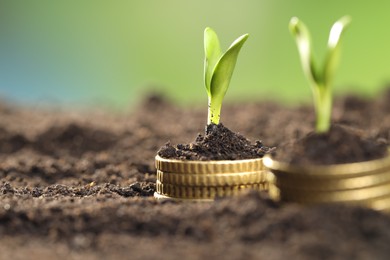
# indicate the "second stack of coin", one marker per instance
pixel 363 183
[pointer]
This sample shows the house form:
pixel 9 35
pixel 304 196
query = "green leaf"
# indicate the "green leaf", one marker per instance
pixel 213 52
pixel 303 39
pixel 332 58
pixel 320 77
pixel 223 70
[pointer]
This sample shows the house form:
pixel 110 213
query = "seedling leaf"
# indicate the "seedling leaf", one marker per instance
pixel 320 78
pixel 223 70
pixel 213 52
pixel 303 39
pixel 218 70
pixel 333 56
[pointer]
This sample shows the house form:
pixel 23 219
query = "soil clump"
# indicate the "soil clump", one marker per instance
pixel 219 143
pixel 340 145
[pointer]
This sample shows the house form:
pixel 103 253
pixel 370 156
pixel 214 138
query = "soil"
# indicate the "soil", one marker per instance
pixel 218 143
pixel 80 184
pixel 341 144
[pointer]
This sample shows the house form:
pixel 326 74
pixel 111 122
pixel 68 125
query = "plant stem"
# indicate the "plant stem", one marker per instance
pixel 323 108
pixel 214 112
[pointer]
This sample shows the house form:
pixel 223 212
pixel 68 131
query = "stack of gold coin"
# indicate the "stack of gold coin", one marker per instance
pixel 364 183
pixel 206 180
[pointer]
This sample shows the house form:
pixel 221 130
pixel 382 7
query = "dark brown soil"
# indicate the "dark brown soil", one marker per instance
pixel 218 143
pixel 79 185
pixel 340 145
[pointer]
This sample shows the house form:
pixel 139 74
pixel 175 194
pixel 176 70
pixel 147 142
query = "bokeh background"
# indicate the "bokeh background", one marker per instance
pixel 95 52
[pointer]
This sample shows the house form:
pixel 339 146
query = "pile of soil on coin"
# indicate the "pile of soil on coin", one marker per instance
pixel 80 184
pixel 219 143
pixel 340 145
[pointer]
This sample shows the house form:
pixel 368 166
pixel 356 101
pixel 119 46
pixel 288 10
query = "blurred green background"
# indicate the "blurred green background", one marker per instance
pixel 111 52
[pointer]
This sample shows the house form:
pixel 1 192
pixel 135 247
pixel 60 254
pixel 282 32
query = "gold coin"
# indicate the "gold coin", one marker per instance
pixel 208 167
pixel 334 184
pixel 159 196
pixel 313 196
pixel 218 179
pixel 364 183
pixel 273 192
pixel 336 171
pixel 203 192
pixel 381 204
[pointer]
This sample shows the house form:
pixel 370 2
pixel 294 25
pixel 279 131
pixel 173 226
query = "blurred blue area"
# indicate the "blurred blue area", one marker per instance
pixel 113 52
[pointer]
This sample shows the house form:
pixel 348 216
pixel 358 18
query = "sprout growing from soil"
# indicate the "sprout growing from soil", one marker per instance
pixel 218 70
pixel 320 78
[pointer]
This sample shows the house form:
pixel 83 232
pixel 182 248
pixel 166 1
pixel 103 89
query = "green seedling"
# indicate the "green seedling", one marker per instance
pixel 218 70
pixel 320 78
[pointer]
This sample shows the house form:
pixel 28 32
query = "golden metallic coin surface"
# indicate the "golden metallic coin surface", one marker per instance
pixel 164 197
pixel 206 180
pixel 381 204
pixel 327 184
pixel 336 171
pixel 274 192
pixel 208 167
pixel 363 183
pixel 203 192
pixel 218 179
pixel 305 196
